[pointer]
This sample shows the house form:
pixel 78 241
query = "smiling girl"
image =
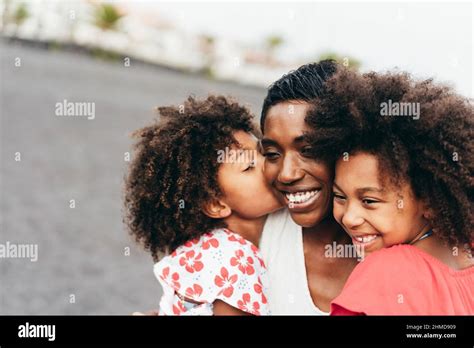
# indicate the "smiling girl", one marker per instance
pixel 403 192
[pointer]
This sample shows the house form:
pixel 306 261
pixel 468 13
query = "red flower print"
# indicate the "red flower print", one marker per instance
pixel 256 253
pixel 246 306
pixel 194 292
pixel 173 280
pixel 259 290
pixel 190 262
pixel 179 308
pixel 236 238
pixel 225 282
pixel 244 263
pixel 256 308
pixel 254 249
pixel 212 242
pixel 190 243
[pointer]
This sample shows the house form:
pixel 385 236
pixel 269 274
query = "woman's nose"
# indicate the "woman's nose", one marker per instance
pixel 290 171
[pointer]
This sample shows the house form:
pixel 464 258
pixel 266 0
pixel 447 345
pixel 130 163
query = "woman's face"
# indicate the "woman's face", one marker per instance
pixel 301 183
pixel 376 215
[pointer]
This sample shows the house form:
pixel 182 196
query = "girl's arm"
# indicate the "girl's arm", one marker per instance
pixel 222 308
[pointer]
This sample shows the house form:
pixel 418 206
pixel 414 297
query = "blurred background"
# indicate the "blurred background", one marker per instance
pixel 61 177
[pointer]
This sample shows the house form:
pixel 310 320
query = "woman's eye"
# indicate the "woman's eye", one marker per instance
pixel 306 151
pixel 271 156
pixel 338 196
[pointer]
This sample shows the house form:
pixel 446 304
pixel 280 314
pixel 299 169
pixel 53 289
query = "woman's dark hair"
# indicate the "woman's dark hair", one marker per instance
pixel 433 153
pixel 174 171
pixel 305 83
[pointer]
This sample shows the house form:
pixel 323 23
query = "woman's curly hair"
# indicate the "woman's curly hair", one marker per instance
pixel 434 153
pixel 174 171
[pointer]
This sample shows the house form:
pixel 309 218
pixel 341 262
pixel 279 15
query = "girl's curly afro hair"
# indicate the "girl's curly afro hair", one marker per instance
pixel 174 171
pixel 434 154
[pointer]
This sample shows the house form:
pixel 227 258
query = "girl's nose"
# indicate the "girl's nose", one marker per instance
pixel 352 218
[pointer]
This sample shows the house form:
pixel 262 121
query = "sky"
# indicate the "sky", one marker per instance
pixel 428 39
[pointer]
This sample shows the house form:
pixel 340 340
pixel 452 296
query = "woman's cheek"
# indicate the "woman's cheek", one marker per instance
pixel 269 171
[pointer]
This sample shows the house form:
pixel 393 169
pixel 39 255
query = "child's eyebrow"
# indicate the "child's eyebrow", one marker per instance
pixel 369 189
pixel 299 139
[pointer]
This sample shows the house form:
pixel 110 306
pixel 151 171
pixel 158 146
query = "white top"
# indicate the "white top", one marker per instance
pixel 281 246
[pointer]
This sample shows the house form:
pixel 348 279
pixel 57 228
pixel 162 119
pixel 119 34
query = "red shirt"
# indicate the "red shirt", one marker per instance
pixel 404 280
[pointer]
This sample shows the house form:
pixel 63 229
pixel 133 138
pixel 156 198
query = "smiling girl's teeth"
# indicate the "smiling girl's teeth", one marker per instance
pixel 301 197
pixel 366 239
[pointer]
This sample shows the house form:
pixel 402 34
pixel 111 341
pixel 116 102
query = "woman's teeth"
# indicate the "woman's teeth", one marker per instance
pixel 366 239
pixel 300 197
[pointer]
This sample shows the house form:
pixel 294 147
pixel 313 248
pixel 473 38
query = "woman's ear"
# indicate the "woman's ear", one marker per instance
pixel 217 209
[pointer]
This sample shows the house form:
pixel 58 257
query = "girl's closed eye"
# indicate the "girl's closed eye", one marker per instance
pixel 338 196
pixel 250 166
pixel 370 201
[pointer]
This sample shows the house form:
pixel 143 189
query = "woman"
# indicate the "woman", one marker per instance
pixel 303 278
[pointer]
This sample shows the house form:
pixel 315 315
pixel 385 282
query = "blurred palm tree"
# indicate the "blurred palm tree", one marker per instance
pixel 207 47
pixel 20 15
pixel 272 43
pixel 5 11
pixel 347 61
pixel 107 16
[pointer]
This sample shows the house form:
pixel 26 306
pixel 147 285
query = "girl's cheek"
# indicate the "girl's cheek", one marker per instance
pixel 337 212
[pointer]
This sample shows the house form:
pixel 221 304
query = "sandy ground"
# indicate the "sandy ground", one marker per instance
pixel 81 251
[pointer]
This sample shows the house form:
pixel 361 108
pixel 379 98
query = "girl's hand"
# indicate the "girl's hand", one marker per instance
pixel 152 312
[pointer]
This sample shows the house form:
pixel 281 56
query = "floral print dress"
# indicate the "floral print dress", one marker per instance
pixel 220 265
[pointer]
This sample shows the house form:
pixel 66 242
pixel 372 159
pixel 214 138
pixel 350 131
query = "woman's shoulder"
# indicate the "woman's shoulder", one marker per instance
pixel 280 234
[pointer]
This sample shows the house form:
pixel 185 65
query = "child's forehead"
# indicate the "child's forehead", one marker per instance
pixel 363 170
pixel 358 169
pixel 244 140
